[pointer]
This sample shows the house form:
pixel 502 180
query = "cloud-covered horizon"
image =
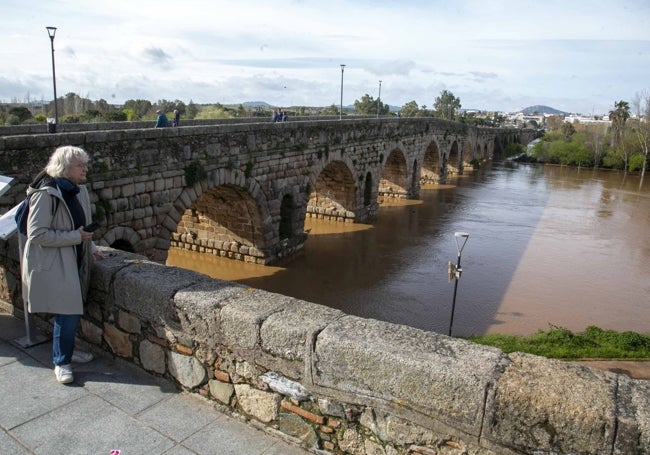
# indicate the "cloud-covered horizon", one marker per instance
pixel 579 56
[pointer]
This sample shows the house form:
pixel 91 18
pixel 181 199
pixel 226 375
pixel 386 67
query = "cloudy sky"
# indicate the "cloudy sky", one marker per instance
pixel 578 56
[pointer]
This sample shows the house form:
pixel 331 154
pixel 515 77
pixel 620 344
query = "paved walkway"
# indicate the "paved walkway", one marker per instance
pixel 110 406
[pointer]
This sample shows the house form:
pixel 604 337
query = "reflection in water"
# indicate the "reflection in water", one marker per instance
pixel 548 245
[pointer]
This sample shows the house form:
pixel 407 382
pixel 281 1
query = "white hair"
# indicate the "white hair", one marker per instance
pixel 62 158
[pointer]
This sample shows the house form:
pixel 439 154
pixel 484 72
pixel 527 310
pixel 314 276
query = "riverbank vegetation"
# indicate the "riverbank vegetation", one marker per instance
pixel 561 343
pixel 623 144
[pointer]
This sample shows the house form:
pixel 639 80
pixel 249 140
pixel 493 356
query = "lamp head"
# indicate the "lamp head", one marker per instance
pixel 460 235
pixel 51 31
pixel 342 66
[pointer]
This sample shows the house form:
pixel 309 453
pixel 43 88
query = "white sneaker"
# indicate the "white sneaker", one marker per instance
pixel 63 373
pixel 81 356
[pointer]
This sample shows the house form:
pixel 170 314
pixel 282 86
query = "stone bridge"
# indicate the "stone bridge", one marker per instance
pixel 243 190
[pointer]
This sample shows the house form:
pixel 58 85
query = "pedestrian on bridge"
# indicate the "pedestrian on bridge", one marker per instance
pixel 161 121
pixel 58 252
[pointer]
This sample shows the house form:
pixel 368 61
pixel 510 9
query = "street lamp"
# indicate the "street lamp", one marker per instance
pixel 379 99
pixel 455 271
pixel 51 31
pixel 341 111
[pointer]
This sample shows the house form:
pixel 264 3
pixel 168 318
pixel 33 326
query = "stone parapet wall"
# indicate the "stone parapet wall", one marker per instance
pixel 343 384
pixel 42 128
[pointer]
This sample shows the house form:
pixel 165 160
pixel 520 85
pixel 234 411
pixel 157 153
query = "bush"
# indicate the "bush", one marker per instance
pixel 635 163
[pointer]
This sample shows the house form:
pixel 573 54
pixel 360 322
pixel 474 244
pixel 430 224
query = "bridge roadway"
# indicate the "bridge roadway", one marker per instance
pixel 243 190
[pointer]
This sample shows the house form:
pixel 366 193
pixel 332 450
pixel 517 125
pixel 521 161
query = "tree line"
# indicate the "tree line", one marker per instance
pixel 621 145
pixel 73 108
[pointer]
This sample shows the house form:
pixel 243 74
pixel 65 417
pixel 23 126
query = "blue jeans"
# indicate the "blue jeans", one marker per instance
pixel 65 330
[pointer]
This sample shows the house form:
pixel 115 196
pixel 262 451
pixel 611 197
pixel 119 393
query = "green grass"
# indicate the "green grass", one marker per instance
pixel 561 343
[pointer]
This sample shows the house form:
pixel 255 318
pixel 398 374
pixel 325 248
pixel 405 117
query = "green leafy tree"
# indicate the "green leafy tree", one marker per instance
pixel 115 116
pixel 192 110
pixel 368 106
pixel 410 109
pixel 139 107
pixel 446 105
pixel 215 111
pixel 165 105
pixel 568 130
pixel 102 106
pixel 21 114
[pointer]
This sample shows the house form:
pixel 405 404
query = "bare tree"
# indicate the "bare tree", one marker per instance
pixel 641 129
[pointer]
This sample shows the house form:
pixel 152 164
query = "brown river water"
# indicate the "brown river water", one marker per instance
pixel 548 245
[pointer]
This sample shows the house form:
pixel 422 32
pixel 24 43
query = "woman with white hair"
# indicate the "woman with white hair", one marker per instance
pixel 56 260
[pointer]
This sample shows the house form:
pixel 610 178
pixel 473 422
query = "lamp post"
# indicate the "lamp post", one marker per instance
pixel 51 31
pixel 341 111
pixel 455 271
pixel 379 99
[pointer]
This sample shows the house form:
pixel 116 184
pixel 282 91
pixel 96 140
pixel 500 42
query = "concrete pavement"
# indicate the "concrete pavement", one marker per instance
pixel 111 406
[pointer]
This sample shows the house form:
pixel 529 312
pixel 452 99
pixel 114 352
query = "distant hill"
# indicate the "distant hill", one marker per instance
pixel 540 110
pixel 256 103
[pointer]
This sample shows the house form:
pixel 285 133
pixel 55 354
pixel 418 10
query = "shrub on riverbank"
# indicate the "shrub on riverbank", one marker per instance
pixel 561 343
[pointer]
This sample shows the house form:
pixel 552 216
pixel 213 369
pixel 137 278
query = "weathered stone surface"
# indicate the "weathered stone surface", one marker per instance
pixel 198 312
pixel 242 318
pixel 128 322
pixel 640 397
pixel 428 372
pixel 262 405
pixel 91 332
pixel 549 406
pixel 331 407
pixel 222 391
pixel 152 356
pixel 294 426
pixel 633 416
pixel 146 289
pixel 285 386
pixel 118 341
pixel 288 333
pixel 372 448
pixel 352 442
pixel 186 369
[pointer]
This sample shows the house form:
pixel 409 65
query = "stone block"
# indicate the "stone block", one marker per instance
pixel 242 318
pixel 186 369
pixel 118 341
pixel 288 333
pixel 91 332
pixel 152 357
pixel 222 391
pixel 262 405
pixel 551 406
pixel 430 373
pixel 128 322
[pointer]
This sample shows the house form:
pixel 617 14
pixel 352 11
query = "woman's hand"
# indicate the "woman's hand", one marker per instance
pixel 84 234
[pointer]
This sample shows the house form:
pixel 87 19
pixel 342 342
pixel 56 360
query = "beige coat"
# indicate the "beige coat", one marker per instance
pixel 52 282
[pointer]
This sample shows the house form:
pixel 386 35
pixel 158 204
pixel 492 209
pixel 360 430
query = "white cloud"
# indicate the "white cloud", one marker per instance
pixel 576 56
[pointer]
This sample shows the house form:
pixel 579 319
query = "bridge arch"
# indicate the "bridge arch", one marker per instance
pixel 226 215
pixel 454 164
pixel 121 238
pixel 333 193
pixel 394 176
pixel 432 169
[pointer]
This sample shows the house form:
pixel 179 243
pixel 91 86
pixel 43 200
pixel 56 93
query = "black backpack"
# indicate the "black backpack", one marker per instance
pixel 23 209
